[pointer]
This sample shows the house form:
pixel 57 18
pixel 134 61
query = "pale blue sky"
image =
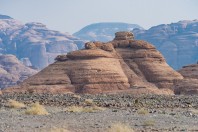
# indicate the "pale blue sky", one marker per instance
pixel 71 15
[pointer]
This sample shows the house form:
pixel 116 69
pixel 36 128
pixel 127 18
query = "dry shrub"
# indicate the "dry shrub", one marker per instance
pixel 15 104
pixel 89 101
pixel 149 123
pixel 58 130
pixel 79 109
pixel 36 109
pixel 54 129
pixel 142 111
pixel 77 96
pixel 119 127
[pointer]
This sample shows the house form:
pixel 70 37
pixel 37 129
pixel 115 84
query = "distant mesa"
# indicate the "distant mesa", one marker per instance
pixel 103 31
pixel 123 65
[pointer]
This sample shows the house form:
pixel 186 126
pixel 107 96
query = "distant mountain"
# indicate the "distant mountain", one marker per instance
pixel 12 71
pixel 34 41
pixel 178 42
pixel 103 31
pixel 4 17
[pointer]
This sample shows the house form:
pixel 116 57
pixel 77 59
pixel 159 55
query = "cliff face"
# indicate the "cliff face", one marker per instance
pixel 121 65
pixel 12 71
pixel 189 85
pixel 34 41
pixel 178 42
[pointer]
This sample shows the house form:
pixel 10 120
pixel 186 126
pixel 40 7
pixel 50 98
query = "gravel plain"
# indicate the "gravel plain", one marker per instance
pixel 162 113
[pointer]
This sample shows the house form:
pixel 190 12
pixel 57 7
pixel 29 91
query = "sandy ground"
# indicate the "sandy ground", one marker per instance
pixel 182 117
pixel 15 120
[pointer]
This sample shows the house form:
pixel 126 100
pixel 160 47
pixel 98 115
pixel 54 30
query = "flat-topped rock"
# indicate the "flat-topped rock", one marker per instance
pixel 126 65
pixel 124 36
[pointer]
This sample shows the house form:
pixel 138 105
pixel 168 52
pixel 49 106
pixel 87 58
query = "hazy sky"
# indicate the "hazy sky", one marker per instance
pixel 72 15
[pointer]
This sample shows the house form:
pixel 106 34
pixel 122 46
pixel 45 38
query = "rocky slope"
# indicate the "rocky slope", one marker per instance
pixel 34 41
pixel 178 42
pixel 12 71
pixel 103 31
pixel 121 65
pixel 189 85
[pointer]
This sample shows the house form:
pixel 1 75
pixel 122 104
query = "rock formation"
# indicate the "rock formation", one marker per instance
pixel 12 71
pixel 103 31
pixel 34 41
pixel 121 65
pixel 178 42
pixel 189 85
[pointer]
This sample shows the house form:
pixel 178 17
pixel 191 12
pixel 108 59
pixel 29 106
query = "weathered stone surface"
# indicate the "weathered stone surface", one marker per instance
pixel 12 71
pixel 190 71
pixel 35 42
pixel 123 36
pixel 132 66
pixel 178 42
pixel 99 45
pixel 189 85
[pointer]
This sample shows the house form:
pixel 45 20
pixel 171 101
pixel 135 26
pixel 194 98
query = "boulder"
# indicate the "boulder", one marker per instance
pixel 99 45
pixel 61 58
pixel 123 36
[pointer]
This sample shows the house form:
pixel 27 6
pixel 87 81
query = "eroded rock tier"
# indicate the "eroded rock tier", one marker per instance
pixel 121 65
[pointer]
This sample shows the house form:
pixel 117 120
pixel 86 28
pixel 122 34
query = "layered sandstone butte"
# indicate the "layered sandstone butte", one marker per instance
pixel 121 65
pixel 189 85
pixel 178 42
pixel 12 71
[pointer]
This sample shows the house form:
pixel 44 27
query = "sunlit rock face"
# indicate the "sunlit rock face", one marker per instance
pixel 121 65
pixel 34 41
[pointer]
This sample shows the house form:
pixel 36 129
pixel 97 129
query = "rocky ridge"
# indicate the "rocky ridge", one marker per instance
pixel 189 85
pixel 121 65
pixel 34 41
pixel 178 42
pixel 12 71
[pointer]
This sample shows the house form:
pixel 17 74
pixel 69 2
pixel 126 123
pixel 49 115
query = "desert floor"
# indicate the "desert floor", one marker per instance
pixel 141 113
